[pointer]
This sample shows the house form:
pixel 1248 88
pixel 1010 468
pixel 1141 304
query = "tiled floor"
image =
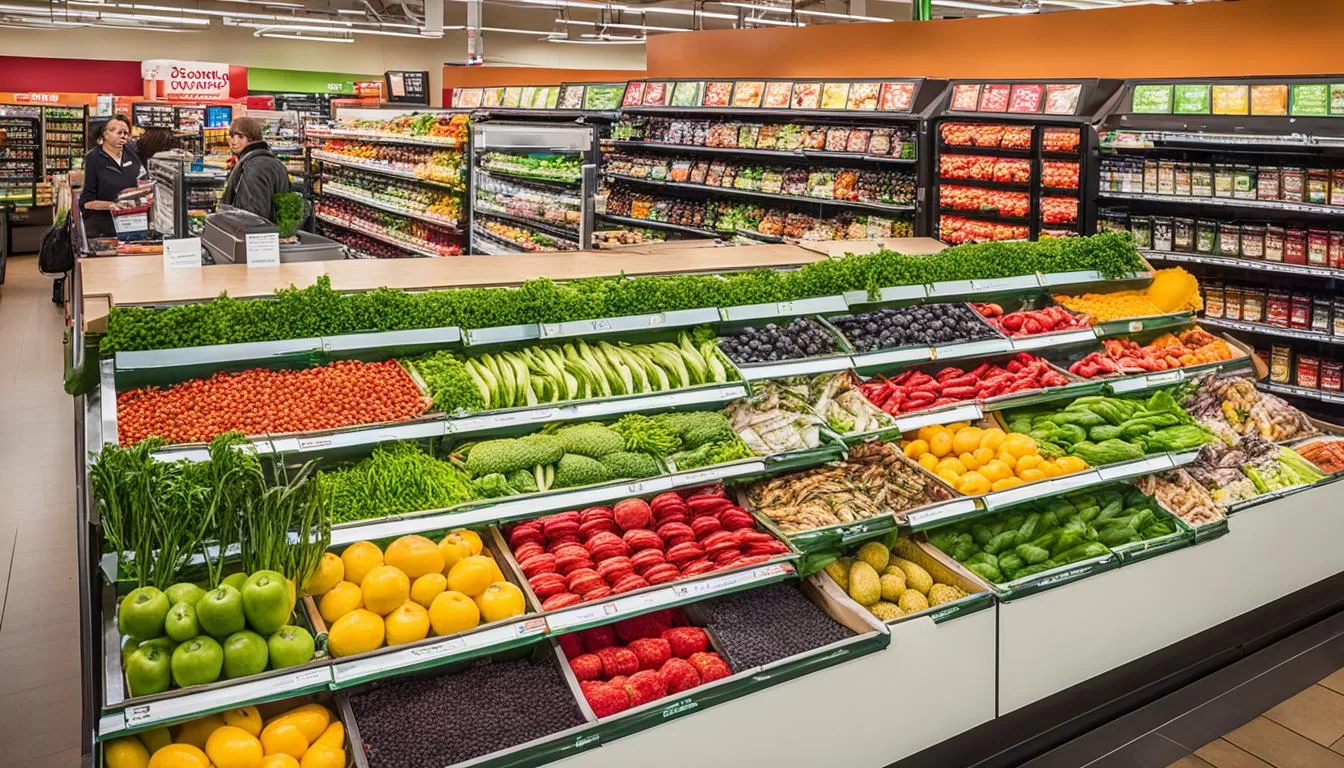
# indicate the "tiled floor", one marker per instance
pixel 39 593
pixel 1306 731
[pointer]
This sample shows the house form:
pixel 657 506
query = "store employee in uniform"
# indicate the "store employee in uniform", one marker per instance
pixel 108 169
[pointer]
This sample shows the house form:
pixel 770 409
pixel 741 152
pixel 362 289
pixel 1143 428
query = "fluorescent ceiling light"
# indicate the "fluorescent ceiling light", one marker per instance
pixel 615 25
pixel 308 39
pixel 984 7
pixel 247 15
pixel 267 3
pixel 310 28
pixel 50 13
pixel 803 12
pixel 350 12
pixel 567 41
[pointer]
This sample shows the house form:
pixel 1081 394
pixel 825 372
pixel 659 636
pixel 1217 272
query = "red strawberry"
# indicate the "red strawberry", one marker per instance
pixel 593 527
pixel 710 666
pixel 646 558
pixel 562 600
pixel 597 638
pixel 685 641
pixel 606 699
pixel 618 661
pixel 613 569
pixel 543 563
pixel 662 500
pixel 595 513
pixel 678 675
pixel 629 584
pixel 571 563
pixel 526 550
pixel 705 525
pixel 674 533
pixel 684 552
pixel 587 666
pixel 641 539
pixel 653 652
pixel 662 573
pixel 547 584
pixel 525 532
pixel 571 645
pixel 585 580
pixel 644 686
pixel 564 551
pixel 646 625
pixel 632 513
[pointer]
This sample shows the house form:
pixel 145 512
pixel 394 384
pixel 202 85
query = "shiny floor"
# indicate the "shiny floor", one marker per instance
pixel 39 597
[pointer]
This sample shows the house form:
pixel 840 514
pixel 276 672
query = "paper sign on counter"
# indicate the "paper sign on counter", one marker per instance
pixel 181 253
pixel 263 249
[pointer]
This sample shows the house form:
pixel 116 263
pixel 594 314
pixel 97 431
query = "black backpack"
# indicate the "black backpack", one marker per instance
pixel 58 252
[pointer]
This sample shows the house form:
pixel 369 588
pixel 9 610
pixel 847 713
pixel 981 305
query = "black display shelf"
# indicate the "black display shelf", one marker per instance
pixel 528 222
pixel 1008 186
pixel 800 155
pixel 708 189
pixel 1236 262
pixel 971 149
pixel 664 225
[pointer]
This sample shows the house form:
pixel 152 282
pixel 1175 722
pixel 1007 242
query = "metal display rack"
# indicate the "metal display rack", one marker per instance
pixel 64 138
pixel 1026 131
pixel 183 197
pixel 846 156
pixel 1234 179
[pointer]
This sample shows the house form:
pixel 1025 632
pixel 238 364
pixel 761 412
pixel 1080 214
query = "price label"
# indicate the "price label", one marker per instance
pixel 131 223
pixel 784 307
pixel 657 319
pixel 1135 326
pixel 182 253
pixel 601 325
pixel 893 356
pixel 580 616
pixel 1054 340
pixel 969 412
pixel 314 443
pixel 941 512
pixel 703 476
pixel 263 249
pixel 1170 377
pixel 972 349
pixel 649 485
pixel 437 650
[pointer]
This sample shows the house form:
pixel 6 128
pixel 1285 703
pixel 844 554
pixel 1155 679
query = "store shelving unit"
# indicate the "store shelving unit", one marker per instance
pixel 379 179
pixel 1014 159
pixel 64 138
pixel 21 158
pixel 771 159
pixel 1234 179
pixel 532 186
pixel 183 196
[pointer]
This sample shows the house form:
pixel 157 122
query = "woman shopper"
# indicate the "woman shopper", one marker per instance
pixel 257 176
pixel 153 141
pixel 109 168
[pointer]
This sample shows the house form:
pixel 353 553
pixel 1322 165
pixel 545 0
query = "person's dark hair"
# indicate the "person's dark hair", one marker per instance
pixel 247 127
pixel 124 120
pixel 154 141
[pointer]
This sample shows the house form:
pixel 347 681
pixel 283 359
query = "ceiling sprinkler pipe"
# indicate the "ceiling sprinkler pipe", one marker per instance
pixel 433 17
pixel 921 10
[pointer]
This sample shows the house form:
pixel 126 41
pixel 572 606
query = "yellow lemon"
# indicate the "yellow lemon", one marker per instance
pixel 916 448
pixel 957 426
pixel 453 612
pixel 247 718
pixel 969 461
pixel 408 623
pixel 1007 458
pixel 1018 444
pixel 311 719
pixel 973 484
pixel 983 455
pixel 232 747
pixel 1070 464
pixel 126 752
pixel 1030 461
pixel 195 732
pixel 428 587
pixel 1031 475
pixel 333 737
pixel 499 574
pixel 500 600
pixel 953 464
pixel 385 588
pixel 926 433
pixel 415 556
pixel 330 572
pixel 454 549
pixel 995 470
pixel 179 756
pixel 1005 484
pixel 992 438
pixel 472 575
pixel 1050 468
pixel 928 461
pixel 155 738
pixel 950 476
pixel 360 558
pixel 340 600
pixel 323 757
pixel 966 440
pixel 284 738
pixel 941 444
pixel 280 761
pixel 358 631
pixel 473 538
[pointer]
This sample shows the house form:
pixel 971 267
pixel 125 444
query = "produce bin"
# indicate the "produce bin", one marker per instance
pixel 978 596
pixel 1183 536
pixel 839 360
pixel 537 751
pixel 1133 383
pixel 1028 585
pixel 123 713
pixel 438 650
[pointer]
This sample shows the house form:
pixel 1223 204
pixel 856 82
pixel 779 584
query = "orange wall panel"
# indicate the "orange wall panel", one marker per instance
pixel 1215 39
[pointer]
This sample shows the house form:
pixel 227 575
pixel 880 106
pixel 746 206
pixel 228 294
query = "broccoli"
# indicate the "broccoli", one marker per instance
pixel 630 464
pixel 574 470
pixel 593 440
pixel 494 485
pixel 523 481
pixel 506 455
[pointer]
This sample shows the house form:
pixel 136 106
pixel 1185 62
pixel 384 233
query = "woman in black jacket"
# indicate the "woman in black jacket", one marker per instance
pixel 108 169
pixel 257 176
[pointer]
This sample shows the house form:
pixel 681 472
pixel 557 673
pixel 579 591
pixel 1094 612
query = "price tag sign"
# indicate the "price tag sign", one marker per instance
pixel 580 616
pixel 130 223
pixel 182 253
pixel 263 249
pixel 940 513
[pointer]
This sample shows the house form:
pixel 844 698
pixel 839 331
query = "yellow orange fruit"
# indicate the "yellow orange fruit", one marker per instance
pixel 916 448
pixel 358 631
pixel 968 461
pixel 973 484
pixel 953 464
pixel 454 549
pixel 948 475
pixel 284 738
pixel 1030 461
pixel 385 588
pixel 1031 475
pixel 332 737
pixel 472 575
pixel 232 747
pixel 453 612
pixel 323 757
pixel 473 538
pixel 929 462
pixel 500 600
pixel 992 438
pixel 1007 458
pixel 280 761
pixel 340 600
pixel 1005 484
pixel 408 623
pixel 428 587
pixel 926 433
pixel 996 470
pixel 179 756
pixel 414 555
pixel 195 732
pixel 155 738
pixel 941 444
pixel 957 426
pixel 247 718
pixel 1018 444
pixel 1069 464
pixel 360 558
pixel 330 572
pixel 311 719
pixel 1050 468
pixel 966 440
pixel 126 752
pixel 983 455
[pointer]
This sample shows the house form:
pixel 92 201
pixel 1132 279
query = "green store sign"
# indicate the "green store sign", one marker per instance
pixel 299 81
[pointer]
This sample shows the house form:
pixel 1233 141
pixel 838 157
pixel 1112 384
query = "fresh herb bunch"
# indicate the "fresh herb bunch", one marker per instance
pixel 318 310
pixel 289 212
pixel 394 479
pixel 449 383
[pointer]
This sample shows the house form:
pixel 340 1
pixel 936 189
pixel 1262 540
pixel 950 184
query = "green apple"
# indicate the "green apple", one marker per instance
pixel 181 623
pixel 220 612
pixel 148 670
pixel 142 613
pixel 184 592
pixel 266 601
pixel 197 661
pixel 290 646
pixel 245 653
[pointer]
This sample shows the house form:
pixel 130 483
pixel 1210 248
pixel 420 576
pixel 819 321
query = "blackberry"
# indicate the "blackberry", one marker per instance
pixel 762 626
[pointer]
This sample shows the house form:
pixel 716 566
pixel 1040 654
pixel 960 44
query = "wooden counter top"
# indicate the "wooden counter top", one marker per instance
pixel 131 280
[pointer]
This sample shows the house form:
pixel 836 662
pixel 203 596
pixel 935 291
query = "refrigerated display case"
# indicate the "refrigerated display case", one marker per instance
pixel 183 196
pixel 64 138
pixel 1015 160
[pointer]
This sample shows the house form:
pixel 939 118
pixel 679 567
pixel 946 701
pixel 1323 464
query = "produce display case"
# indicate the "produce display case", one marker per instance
pixel 1235 179
pixel 64 138
pixel 390 183
pixel 771 159
pixel 1014 160
pixel 21 163
pixel 532 187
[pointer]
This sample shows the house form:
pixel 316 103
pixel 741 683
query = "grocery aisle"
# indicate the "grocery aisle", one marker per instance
pixel 39 593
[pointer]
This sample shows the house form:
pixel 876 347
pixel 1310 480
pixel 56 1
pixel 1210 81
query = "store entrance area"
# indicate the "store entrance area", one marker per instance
pixel 39 590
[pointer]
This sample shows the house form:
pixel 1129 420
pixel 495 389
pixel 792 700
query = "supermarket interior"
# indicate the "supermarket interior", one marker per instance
pixel 868 383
